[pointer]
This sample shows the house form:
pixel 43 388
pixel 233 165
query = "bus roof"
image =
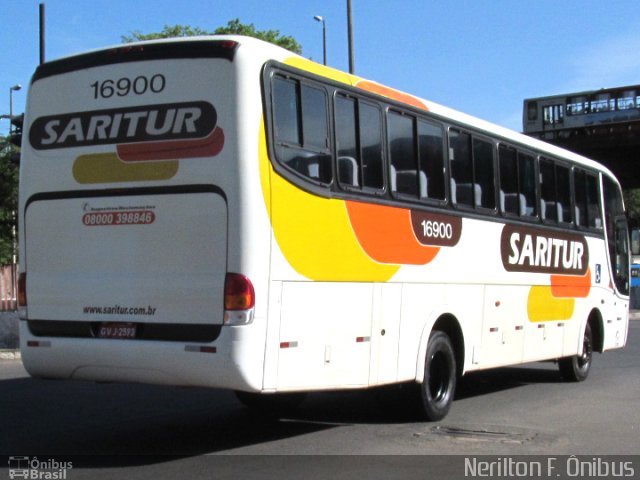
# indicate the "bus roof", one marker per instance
pixel 224 46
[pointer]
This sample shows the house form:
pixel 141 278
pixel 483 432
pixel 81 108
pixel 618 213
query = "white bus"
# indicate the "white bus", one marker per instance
pixel 220 212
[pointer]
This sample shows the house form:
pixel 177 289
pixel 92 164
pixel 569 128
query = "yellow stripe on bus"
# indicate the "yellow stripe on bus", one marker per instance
pixel 107 168
pixel 315 233
pixel 322 70
pixel 542 306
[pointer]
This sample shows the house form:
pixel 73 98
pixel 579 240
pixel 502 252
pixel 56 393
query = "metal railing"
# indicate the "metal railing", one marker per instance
pixel 8 288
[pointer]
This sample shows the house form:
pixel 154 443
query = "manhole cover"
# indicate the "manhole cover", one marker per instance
pixel 484 433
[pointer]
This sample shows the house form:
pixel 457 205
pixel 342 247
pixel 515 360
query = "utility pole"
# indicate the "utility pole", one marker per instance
pixel 41 33
pixel 352 67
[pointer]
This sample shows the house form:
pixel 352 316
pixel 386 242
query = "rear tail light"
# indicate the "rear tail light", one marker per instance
pixel 239 300
pixel 22 289
pixel 238 292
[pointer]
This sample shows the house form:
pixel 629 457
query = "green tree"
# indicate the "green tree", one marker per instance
pixel 8 200
pixel 632 203
pixel 233 27
pixel 167 32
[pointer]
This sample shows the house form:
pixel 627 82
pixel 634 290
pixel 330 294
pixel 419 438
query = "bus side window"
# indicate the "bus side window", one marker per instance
pixel 527 184
pixel 472 177
pixel 285 108
pixel 563 191
pixel 548 196
pixel 579 183
pixel 371 145
pixel 463 188
pixel 593 203
pixel 587 212
pixel 301 128
pixel 315 131
pixel 404 178
pixel 483 171
pixel 358 143
pixel 432 159
pixel 346 142
pixel 510 201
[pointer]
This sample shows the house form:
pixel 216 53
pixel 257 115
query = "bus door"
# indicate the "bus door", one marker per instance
pixel 617 235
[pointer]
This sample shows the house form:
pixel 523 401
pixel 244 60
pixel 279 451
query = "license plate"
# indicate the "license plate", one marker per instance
pixel 117 330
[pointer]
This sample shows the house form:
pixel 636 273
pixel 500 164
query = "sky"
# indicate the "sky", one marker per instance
pixel 482 57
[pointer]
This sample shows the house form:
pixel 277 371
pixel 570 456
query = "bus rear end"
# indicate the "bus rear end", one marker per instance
pixel 129 183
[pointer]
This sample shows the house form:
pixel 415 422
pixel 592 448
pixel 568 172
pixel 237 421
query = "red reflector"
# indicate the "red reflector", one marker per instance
pixel 38 343
pixel 238 292
pixel 362 339
pixel 493 329
pixel 288 344
pixel 228 44
pixel 540 325
pixel 22 289
pixel 519 327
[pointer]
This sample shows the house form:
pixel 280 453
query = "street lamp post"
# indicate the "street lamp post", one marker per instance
pixel 15 88
pixel 324 37
pixel 14 242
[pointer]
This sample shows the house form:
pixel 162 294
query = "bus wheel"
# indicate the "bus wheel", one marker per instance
pixel 576 368
pixel 439 383
pixel 270 403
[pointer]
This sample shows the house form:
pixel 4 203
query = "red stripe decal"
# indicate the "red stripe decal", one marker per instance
pixel 209 146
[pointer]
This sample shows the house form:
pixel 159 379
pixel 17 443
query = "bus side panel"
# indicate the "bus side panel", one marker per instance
pixel 325 335
pixel 385 333
pixel 503 332
pixel 422 306
pixel 616 323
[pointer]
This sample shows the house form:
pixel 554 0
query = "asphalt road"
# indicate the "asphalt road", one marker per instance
pixel 137 431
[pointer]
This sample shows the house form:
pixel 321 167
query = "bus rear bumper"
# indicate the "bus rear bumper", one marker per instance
pixel 233 361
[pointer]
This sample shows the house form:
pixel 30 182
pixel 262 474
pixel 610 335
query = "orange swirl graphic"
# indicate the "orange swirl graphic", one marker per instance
pixel 391 93
pixel 571 286
pixel 386 234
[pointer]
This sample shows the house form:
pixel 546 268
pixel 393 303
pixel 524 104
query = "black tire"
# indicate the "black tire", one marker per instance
pixel 271 403
pixel 439 383
pixel 576 368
